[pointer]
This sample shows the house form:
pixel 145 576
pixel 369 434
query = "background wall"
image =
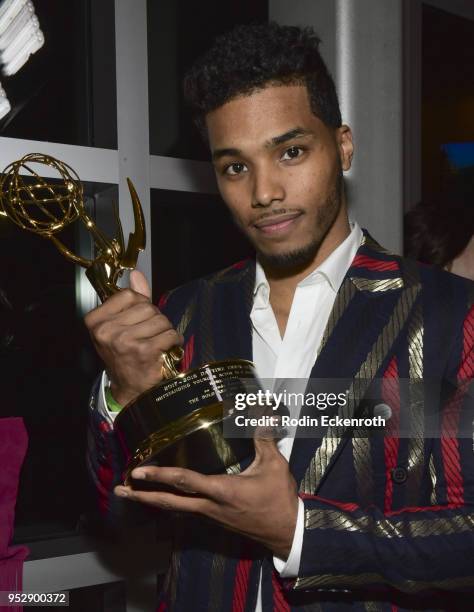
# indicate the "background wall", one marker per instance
pixel 362 43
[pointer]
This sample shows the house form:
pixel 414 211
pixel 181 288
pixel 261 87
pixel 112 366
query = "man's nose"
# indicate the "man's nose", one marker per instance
pixel 267 188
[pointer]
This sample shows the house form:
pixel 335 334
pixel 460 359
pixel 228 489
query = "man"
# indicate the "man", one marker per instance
pixel 341 519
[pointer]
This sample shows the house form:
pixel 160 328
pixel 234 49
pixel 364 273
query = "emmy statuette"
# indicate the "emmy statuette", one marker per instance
pixel 179 422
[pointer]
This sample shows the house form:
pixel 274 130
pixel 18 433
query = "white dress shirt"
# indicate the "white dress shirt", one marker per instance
pixel 293 356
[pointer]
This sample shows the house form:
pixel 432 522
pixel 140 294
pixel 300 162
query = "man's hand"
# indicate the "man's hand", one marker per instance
pixel 130 335
pixel 261 502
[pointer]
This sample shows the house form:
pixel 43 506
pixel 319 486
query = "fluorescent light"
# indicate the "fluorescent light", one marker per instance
pixel 5 107
pixel 20 34
pixel 30 30
pixel 8 11
pixel 31 46
pixel 17 26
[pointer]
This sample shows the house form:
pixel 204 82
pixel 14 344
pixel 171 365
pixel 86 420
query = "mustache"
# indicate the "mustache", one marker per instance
pixel 274 213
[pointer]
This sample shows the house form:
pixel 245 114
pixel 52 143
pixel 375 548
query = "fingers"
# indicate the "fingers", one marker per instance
pixel 198 492
pixel 130 334
pixel 138 312
pixel 187 481
pixel 158 328
pixel 145 315
pixel 146 348
pixel 139 321
pixel 139 283
pixel 163 500
pixel 119 302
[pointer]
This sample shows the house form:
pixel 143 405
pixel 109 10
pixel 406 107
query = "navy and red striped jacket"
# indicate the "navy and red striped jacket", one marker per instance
pixel 389 515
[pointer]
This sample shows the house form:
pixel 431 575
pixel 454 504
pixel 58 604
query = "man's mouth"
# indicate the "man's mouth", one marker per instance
pixel 277 223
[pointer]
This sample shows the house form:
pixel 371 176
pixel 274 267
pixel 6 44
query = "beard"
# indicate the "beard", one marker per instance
pixel 298 259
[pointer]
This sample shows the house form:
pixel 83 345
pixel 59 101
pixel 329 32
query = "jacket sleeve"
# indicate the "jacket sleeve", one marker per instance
pixel 105 458
pixel 106 465
pixel 414 549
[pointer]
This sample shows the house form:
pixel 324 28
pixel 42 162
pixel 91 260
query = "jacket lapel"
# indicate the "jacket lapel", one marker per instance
pixel 369 312
pixel 225 303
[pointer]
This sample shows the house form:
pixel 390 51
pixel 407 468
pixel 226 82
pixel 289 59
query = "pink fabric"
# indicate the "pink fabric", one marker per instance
pixel 13 445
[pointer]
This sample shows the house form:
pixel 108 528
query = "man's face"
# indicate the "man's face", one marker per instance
pixel 279 170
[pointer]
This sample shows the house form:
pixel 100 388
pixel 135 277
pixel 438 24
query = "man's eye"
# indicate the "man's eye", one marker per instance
pixel 234 169
pixel 292 153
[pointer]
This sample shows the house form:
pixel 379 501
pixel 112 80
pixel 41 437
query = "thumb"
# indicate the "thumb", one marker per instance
pixel 139 283
pixel 265 445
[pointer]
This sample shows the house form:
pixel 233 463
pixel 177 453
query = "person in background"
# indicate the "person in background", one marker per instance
pixel 441 232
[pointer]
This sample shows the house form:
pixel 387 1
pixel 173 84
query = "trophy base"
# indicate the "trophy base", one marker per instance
pixel 194 442
pixel 180 422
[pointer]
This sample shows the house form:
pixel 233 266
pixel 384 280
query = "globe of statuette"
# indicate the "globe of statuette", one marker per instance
pixel 40 205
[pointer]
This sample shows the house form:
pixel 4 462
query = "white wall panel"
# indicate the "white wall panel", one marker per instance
pixel 364 48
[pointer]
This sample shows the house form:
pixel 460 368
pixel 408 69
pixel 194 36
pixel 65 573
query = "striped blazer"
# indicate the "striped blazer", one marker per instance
pixel 389 514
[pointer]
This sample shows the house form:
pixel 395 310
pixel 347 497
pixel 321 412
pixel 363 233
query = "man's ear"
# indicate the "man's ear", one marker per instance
pixel 346 146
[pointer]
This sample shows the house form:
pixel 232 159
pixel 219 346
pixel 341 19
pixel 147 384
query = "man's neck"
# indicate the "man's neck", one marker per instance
pixel 283 286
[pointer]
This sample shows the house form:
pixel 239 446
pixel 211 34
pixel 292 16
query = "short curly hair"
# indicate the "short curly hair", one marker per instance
pixel 249 57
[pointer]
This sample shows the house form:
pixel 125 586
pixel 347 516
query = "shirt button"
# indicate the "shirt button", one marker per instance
pixel 383 411
pixel 399 475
